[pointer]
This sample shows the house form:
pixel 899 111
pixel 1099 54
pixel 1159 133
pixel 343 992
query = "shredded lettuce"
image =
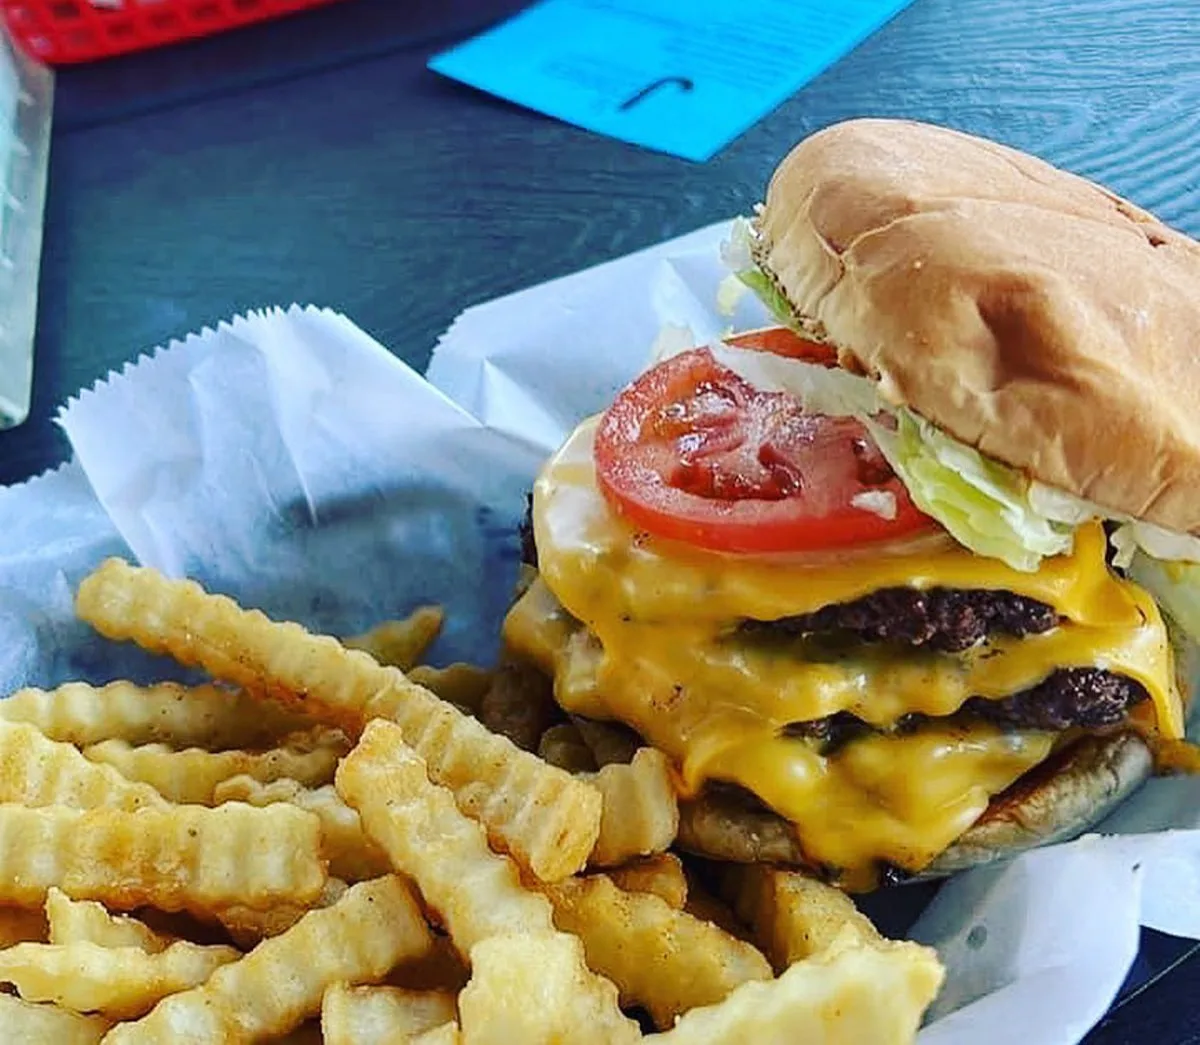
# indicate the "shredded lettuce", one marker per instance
pixel 823 390
pixel 730 292
pixel 984 505
pixel 769 295
pixel 738 256
pixel 1162 543
pixel 1174 585
pixel 737 252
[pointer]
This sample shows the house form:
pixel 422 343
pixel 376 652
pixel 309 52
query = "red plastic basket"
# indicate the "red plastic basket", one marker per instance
pixel 64 31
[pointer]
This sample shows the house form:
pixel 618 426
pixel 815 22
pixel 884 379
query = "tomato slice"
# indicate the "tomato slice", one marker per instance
pixel 693 452
pixel 780 341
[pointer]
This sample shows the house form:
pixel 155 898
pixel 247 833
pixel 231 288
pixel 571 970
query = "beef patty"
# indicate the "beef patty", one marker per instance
pixel 945 619
pixel 1086 697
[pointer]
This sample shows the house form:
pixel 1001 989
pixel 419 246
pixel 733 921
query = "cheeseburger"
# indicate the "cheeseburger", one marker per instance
pixel 903 584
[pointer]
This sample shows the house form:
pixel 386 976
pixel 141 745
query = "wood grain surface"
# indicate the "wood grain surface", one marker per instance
pixel 317 160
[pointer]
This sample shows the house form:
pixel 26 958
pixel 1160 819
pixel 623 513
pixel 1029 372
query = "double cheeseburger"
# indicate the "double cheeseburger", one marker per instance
pixel 893 583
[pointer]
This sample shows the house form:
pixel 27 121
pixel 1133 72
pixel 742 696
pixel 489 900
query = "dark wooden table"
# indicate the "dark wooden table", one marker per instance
pixel 316 160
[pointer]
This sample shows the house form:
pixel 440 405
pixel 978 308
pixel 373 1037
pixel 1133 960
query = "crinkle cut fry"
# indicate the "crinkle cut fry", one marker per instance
pixel 535 989
pixel 374 926
pixel 175 858
pixel 545 818
pixel 661 874
pixel 640 813
pixel 352 855
pixel 382 1015
pixel 35 771
pixel 476 891
pixel 280 661
pixel 191 776
pixel 851 992
pixel 401 643
pixel 793 916
pixel 85 921
pixel 120 982
pixel 25 1021
pixel 183 716
pixel 661 958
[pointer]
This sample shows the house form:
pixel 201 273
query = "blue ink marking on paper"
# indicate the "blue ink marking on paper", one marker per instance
pixel 684 77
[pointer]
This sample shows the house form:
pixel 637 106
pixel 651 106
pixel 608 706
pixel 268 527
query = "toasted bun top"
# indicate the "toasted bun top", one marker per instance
pixel 1028 312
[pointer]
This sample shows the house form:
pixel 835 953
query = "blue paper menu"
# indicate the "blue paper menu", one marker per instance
pixel 680 76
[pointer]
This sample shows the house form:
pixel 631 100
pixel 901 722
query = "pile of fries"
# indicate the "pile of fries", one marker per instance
pixel 333 842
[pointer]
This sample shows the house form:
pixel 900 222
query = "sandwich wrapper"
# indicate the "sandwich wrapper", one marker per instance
pixel 288 460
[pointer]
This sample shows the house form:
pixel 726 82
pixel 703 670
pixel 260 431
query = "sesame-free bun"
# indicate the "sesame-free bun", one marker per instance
pixel 1026 311
pixel 1058 800
pixel 1055 802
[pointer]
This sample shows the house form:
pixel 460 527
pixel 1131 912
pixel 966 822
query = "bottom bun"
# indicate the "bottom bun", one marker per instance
pixel 1059 800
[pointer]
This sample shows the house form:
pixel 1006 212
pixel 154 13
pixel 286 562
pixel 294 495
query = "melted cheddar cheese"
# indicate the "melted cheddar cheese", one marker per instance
pixel 644 630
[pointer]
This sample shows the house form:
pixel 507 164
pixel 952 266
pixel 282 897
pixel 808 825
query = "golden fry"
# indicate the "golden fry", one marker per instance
pixel 25 1023
pixel 609 742
pixel 793 916
pixel 121 982
pixel 477 892
pixel 660 958
pixel 382 1015
pixel 519 705
pixel 546 819
pixel 168 713
pixel 660 874
pixel 248 927
pixel 536 989
pixel 401 643
pixel 281 982
pixel 848 993
pixel 85 921
pixel 192 776
pixel 180 857
pixel 352 856
pixel 562 746
pixel 641 812
pixel 35 771
pixel 463 685
pixel 22 925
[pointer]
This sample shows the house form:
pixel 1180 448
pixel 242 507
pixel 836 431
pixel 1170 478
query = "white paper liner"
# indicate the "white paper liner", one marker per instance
pixel 289 460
